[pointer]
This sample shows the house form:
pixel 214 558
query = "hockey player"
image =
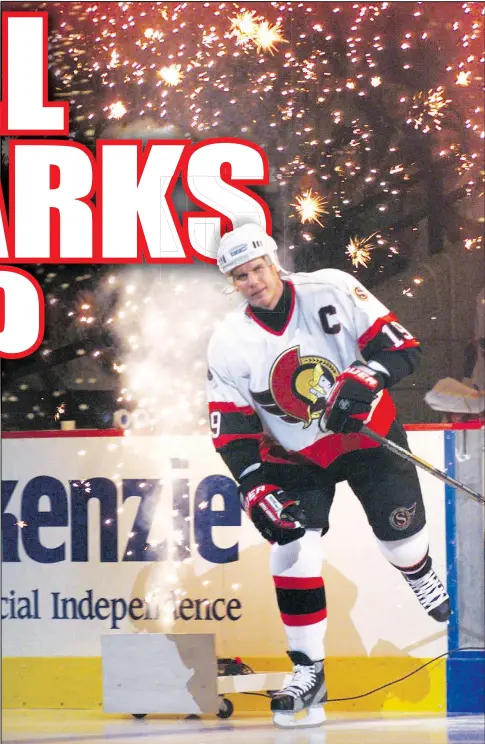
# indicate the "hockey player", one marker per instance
pixel 293 375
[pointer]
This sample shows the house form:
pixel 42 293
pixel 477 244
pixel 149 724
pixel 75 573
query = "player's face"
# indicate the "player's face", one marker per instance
pixel 259 283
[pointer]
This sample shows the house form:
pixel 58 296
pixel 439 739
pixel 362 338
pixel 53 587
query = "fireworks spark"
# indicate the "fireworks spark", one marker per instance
pixel 114 61
pixel 117 110
pixel 267 37
pixel 429 105
pixel 244 27
pixel 436 101
pixel 473 243
pixel 310 206
pixel 463 78
pixel 172 75
pixel 359 250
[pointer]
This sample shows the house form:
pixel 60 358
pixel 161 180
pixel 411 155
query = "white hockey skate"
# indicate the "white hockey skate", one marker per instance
pixel 306 691
pixel 432 595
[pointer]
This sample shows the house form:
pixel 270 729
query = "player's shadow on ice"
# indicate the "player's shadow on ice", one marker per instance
pixel 351 670
pixel 359 671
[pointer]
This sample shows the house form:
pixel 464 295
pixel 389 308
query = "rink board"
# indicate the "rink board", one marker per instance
pixel 59 610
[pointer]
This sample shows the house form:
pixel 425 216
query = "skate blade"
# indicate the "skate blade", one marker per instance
pixel 311 717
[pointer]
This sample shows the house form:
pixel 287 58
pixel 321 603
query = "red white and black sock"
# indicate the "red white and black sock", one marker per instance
pixel 300 593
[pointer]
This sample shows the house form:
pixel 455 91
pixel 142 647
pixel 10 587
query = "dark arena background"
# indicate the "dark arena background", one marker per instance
pixel 372 119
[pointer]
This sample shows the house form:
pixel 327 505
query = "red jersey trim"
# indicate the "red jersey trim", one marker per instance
pixel 250 314
pixel 226 407
pixel 271 451
pixel 327 449
pixel 376 328
pixel 297 582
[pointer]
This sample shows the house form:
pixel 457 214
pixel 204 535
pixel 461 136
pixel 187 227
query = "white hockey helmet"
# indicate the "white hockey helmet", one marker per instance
pixel 244 244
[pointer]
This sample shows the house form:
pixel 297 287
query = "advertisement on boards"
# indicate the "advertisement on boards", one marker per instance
pixel 128 534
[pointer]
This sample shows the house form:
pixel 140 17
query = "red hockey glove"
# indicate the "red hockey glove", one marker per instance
pixel 275 514
pixel 350 400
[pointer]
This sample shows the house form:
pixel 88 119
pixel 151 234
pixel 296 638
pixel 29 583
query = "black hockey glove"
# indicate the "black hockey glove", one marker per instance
pixel 275 514
pixel 350 400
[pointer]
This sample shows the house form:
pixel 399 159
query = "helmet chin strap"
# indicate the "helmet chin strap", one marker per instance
pixel 272 259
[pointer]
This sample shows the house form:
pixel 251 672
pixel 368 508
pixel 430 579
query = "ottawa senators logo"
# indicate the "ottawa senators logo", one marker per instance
pixel 360 293
pixel 298 387
pixel 402 517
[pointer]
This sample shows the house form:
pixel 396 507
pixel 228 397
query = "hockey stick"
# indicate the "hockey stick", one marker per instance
pixel 401 452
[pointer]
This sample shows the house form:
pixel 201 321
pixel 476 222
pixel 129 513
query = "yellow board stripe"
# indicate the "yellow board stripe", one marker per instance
pixel 76 683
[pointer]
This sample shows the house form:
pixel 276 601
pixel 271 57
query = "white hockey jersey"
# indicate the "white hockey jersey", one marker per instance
pixel 270 385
